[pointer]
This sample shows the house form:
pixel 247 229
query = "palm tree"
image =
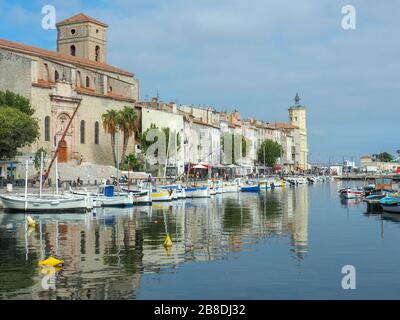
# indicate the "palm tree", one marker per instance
pixel 127 124
pixel 110 125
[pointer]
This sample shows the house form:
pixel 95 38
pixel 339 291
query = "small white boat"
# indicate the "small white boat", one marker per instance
pixel 139 198
pixel 178 191
pixel 46 203
pixel 350 193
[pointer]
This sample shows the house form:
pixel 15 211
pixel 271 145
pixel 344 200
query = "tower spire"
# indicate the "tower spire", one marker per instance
pixel 297 99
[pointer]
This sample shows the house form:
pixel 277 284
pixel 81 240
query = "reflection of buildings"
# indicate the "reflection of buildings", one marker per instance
pixel 105 255
pixel 102 257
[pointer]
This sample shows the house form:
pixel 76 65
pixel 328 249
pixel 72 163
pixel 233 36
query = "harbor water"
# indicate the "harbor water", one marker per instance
pixel 289 243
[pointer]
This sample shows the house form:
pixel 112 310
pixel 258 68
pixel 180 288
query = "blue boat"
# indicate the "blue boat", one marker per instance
pixel 250 188
pixel 390 204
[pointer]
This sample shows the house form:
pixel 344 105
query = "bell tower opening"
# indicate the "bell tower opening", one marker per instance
pixel 82 36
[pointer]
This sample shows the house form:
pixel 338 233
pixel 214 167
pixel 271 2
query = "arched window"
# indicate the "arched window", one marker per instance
pixel 83 131
pixel 47 128
pixel 56 75
pixel 87 82
pixel 78 79
pixel 73 50
pixel 97 53
pixel 45 72
pixel 96 132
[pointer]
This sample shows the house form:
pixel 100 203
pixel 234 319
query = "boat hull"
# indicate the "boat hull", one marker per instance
pixel 391 208
pixel 67 204
pixel 250 188
pixel 202 192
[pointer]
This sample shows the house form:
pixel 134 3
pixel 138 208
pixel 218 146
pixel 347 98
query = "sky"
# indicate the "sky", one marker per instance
pixel 253 56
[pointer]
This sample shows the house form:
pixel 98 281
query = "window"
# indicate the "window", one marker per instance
pixel 97 53
pixel 78 79
pixel 87 82
pixel 47 128
pixel 96 132
pixel 73 50
pixel 46 72
pixel 110 89
pixel 56 76
pixel 73 31
pixel 82 131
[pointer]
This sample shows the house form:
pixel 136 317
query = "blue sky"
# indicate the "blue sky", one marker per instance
pixel 253 56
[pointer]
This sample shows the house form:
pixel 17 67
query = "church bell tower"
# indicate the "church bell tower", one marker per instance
pixel 82 36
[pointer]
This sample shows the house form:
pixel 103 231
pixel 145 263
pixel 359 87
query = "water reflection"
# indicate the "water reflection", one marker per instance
pixel 107 251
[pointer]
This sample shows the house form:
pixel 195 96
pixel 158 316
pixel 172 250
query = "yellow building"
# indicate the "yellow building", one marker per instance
pixel 297 117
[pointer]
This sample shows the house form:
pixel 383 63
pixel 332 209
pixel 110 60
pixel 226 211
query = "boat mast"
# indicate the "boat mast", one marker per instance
pixel 41 175
pixel 26 185
pixel 56 175
pixel 117 147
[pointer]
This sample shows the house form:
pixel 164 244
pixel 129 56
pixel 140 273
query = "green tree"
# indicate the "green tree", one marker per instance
pixel 13 100
pixel 132 162
pixel 385 157
pixel 271 150
pixel 18 129
pixel 127 124
pixel 110 125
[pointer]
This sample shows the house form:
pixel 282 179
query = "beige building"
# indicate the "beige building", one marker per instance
pixel 57 83
pixel 297 117
pixel 368 163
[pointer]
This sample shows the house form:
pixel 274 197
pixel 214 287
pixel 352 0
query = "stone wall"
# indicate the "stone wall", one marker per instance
pixel 15 73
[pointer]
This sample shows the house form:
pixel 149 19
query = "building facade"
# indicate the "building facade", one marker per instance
pixel 57 83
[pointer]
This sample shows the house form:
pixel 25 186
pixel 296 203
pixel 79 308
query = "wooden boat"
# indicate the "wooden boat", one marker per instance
pixel 179 191
pixel 390 204
pixel 351 193
pixel 46 203
pixel 198 192
pixel 161 195
pixel 139 197
pixel 250 188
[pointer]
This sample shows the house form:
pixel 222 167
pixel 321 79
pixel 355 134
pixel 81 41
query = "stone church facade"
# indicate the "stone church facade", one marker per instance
pixel 56 82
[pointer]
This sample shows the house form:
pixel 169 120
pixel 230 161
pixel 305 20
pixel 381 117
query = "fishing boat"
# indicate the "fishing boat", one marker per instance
pixel 198 192
pixel 351 193
pixel 139 197
pixel 178 191
pixel 390 204
pixel 45 202
pixel 161 195
pixel 250 188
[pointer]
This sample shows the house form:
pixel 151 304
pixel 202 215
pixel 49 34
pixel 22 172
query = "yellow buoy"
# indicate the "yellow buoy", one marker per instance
pixel 167 241
pixel 31 222
pixel 51 262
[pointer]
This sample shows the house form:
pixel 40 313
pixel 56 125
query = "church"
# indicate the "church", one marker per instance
pixel 57 82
